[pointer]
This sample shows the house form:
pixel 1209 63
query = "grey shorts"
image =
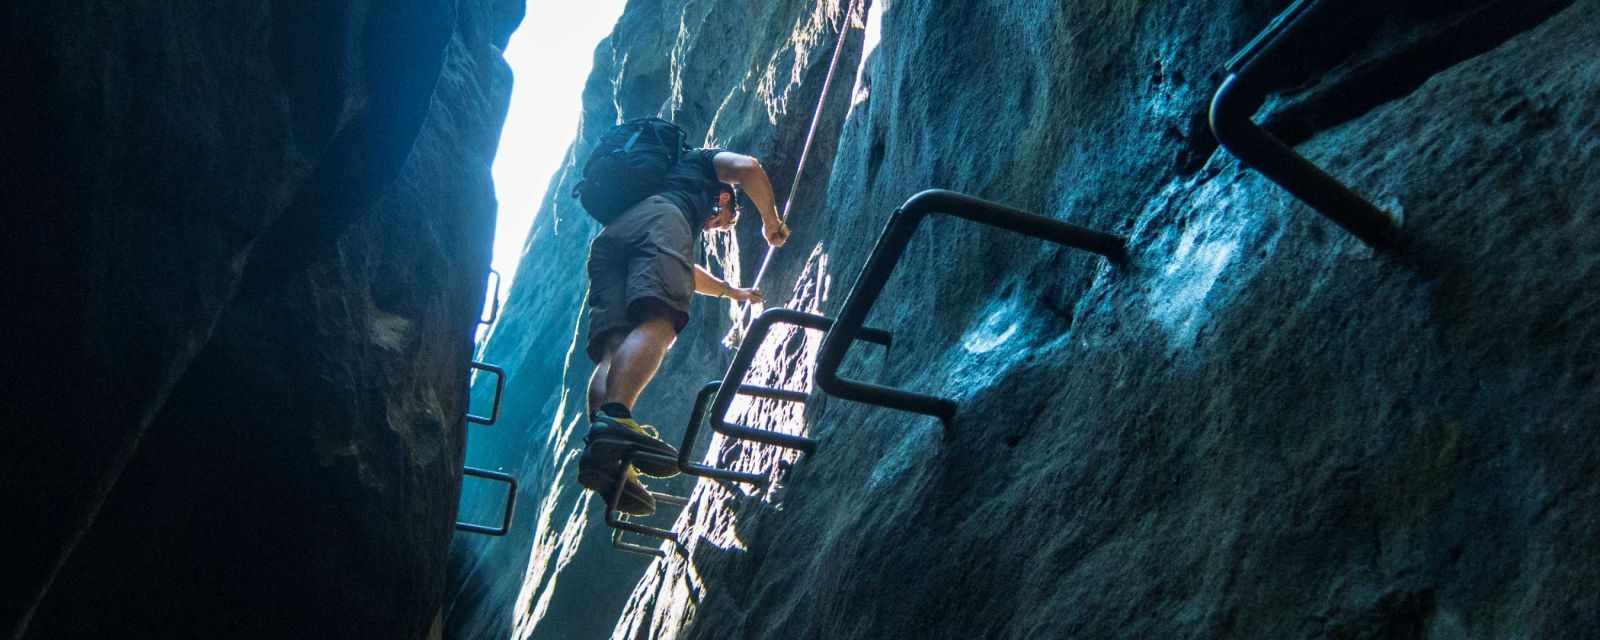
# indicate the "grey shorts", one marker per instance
pixel 638 264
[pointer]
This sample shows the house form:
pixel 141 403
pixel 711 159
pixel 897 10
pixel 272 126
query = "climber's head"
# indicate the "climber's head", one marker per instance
pixel 727 207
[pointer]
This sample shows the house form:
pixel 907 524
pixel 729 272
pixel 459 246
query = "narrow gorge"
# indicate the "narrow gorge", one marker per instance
pixel 1257 427
pixel 248 247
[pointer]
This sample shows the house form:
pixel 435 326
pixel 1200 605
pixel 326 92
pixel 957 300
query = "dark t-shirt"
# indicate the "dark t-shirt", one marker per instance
pixel 692 185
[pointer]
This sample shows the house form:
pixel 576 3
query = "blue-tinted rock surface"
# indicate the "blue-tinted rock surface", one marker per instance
pixel 246 245
pixel 1258 428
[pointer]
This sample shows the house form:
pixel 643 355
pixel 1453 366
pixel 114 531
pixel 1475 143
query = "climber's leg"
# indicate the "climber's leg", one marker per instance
pixel 602 369
pixel 636 359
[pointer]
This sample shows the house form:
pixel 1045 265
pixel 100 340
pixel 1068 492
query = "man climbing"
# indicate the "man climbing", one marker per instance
pixel 641 277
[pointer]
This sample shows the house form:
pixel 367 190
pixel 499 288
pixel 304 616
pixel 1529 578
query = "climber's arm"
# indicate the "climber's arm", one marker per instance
pixel 707 284
pixel 746 171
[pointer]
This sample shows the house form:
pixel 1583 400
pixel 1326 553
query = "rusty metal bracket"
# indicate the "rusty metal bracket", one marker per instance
pixel 511 502
pixel 1237 101
pixel 619 522
pixel 494 299
pixel 886 254
pixel 499 392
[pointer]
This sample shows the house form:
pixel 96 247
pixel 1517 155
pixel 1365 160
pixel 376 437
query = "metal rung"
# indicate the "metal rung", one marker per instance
pixel 511 502
pixel 494 299
pixel 499 391
pixel 618 521
pixel 1237 101
pixel 732 385
pixel 696 417
pixel 886 254
pixel 618 542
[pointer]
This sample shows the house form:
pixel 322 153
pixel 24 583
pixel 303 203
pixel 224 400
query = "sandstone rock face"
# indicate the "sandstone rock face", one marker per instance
pixel 1258 428
pixel 248 245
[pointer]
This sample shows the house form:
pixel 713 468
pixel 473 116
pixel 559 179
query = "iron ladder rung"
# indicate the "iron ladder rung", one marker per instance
pixel 510 502
pixel 499 392
pixel 619 521
pixel 732 385
pixel 494 298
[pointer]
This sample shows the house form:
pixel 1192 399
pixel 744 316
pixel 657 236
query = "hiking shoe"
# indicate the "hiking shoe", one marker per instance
pixel 601 477
pixel 609 437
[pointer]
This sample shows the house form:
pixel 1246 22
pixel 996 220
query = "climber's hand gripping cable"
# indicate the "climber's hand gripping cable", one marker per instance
pixel 707 284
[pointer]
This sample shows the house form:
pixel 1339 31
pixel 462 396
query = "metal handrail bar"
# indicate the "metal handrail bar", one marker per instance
pixel 1237 101
pixel 494 299
pixel 696 417
pixel 886 254
pixel 511 502
pixel 499 391
pixel 734 378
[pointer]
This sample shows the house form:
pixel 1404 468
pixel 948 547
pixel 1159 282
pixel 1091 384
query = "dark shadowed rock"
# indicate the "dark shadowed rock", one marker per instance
pixel 247 244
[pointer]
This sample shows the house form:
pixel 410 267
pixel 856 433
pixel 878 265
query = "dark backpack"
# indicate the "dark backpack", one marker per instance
pixel 628 165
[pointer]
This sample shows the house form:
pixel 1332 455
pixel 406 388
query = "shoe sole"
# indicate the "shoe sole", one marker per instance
pixel 631 503
pixel 613 443
pixel 602 478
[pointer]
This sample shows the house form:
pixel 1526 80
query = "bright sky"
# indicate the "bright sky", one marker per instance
pixel 551 55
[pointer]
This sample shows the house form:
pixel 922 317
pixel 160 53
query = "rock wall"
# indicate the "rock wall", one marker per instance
pixel 1257 428
pixel 248 247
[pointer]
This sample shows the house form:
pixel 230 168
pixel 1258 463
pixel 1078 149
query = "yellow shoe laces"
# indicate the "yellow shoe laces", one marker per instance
pixel 640 428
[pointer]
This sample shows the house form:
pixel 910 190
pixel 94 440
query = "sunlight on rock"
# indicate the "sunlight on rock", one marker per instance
pixel 1180 297
pixel 786 71
pixel 553 547
pixel 874 27
pixel 571 535
pixel 994 331
pixel 722 258
pixel 1194 269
